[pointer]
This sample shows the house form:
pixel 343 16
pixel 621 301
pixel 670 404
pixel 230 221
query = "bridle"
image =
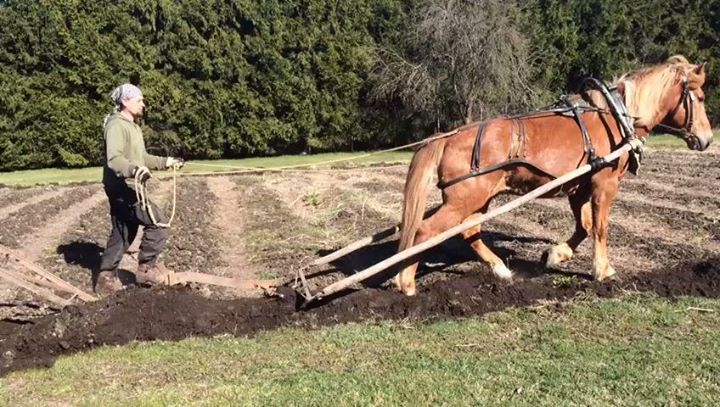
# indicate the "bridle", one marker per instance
pixel 687 101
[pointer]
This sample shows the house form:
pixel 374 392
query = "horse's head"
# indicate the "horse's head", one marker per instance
pixel 687 116
pixel 670 98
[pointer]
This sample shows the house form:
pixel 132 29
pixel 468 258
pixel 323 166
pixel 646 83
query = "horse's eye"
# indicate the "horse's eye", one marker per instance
pixel 701 99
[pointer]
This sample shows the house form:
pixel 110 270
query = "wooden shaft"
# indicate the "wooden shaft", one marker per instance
pixel 358 244
pixel 42 292
pixel 355 246
pixel 37 280
pixel 468 224
pixel 53 278
pixel 202 278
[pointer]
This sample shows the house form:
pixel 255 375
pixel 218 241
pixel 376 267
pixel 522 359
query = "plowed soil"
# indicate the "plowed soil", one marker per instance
pixel 660 242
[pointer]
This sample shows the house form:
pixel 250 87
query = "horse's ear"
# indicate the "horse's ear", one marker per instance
pixel 697 75
pixel 621 87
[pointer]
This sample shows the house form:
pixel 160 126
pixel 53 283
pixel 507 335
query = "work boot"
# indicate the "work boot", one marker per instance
pixel 155 273
pixel 107 283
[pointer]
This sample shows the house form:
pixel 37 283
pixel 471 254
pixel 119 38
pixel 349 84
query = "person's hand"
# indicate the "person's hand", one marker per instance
pixel 142 174
pixel 173 162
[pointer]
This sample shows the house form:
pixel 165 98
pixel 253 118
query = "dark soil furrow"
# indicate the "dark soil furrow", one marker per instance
pixel 33 217
pixel 274 238
pixel 12 196
pixel 700 199
pixel 79 250
pixel 281 242
pixel 675 219
pixel 705 168
pixel 192 245
pixel 651 247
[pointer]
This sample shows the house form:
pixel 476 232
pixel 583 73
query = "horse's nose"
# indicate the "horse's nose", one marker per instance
pixel 703 142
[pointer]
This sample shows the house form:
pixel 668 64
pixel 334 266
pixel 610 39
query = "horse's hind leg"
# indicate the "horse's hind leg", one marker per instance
pixel 472 236
pixel 582 210
pixel 445 218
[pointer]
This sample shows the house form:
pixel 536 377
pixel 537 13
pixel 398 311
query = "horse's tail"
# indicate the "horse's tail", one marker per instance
pixel 418 180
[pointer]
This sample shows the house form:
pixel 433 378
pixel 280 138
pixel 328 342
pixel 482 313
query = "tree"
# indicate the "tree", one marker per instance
pixel 464 60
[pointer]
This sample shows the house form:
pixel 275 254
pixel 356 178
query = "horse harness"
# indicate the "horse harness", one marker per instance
pixel 687 101
pixel 567 107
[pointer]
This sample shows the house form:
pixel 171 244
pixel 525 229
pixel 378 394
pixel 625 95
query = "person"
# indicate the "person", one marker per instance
pixel 126 157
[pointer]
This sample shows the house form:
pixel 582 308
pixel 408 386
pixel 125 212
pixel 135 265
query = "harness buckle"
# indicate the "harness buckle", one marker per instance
pixel 598 163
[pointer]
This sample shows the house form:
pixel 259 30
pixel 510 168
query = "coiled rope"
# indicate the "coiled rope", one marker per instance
pixel 142 195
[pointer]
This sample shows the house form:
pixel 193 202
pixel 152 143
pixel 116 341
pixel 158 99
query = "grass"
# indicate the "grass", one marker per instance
pixel 666 141
pixel 63 176
pixel 641 350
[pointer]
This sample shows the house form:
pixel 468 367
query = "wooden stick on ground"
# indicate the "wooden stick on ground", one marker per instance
pixel 468 224
pixel 17 281
pixel 60 283
pixel 35 280
pixel 202 278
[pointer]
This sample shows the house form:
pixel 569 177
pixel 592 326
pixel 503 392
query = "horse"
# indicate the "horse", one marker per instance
pixel 514 155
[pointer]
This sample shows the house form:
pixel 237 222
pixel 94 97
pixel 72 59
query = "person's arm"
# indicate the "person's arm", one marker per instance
pixel 115 152
pixel 155 162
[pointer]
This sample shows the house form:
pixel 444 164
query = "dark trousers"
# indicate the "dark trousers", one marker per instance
pixel 126 215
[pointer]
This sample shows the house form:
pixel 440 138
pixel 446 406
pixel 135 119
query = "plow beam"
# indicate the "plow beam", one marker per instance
pixel 202 278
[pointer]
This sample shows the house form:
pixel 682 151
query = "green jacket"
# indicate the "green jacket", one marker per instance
pixel 125 151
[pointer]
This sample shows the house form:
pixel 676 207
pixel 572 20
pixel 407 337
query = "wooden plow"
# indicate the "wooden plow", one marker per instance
pixel 39 281
pixel 303 288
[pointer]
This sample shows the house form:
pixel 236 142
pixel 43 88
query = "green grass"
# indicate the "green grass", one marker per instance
pixel 666 141
pixel 47 176
pixel 94 174
pixel 640 350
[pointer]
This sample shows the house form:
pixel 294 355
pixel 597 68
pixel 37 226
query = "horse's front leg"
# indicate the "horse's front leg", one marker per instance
pixel 603 195
pixel 582 211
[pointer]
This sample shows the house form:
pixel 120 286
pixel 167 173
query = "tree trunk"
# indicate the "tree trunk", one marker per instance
pixel 469 112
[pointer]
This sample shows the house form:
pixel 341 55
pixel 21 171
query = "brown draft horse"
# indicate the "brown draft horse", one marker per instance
pixel 668 95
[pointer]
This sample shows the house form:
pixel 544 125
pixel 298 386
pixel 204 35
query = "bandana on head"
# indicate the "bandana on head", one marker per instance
pixel 125 91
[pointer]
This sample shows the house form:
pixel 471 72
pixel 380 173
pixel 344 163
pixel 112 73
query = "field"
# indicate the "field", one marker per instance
pixel 664 243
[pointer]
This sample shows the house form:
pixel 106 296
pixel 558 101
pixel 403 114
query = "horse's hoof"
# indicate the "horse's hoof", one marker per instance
pixel 607 275
pixel 557 254
pixel 501 271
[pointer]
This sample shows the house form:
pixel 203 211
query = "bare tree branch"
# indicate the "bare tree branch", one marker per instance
pixel 464 59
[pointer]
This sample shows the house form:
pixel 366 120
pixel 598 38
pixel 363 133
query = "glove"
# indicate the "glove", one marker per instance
pixel 144 173
pixel 173 162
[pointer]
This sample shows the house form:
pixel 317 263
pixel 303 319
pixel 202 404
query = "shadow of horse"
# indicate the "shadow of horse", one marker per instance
pixel 441 258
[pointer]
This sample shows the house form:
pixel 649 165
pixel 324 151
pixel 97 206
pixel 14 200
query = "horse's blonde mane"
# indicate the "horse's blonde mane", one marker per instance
pixel 646 88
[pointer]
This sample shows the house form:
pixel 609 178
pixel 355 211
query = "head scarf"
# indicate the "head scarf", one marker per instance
pixel 124 92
